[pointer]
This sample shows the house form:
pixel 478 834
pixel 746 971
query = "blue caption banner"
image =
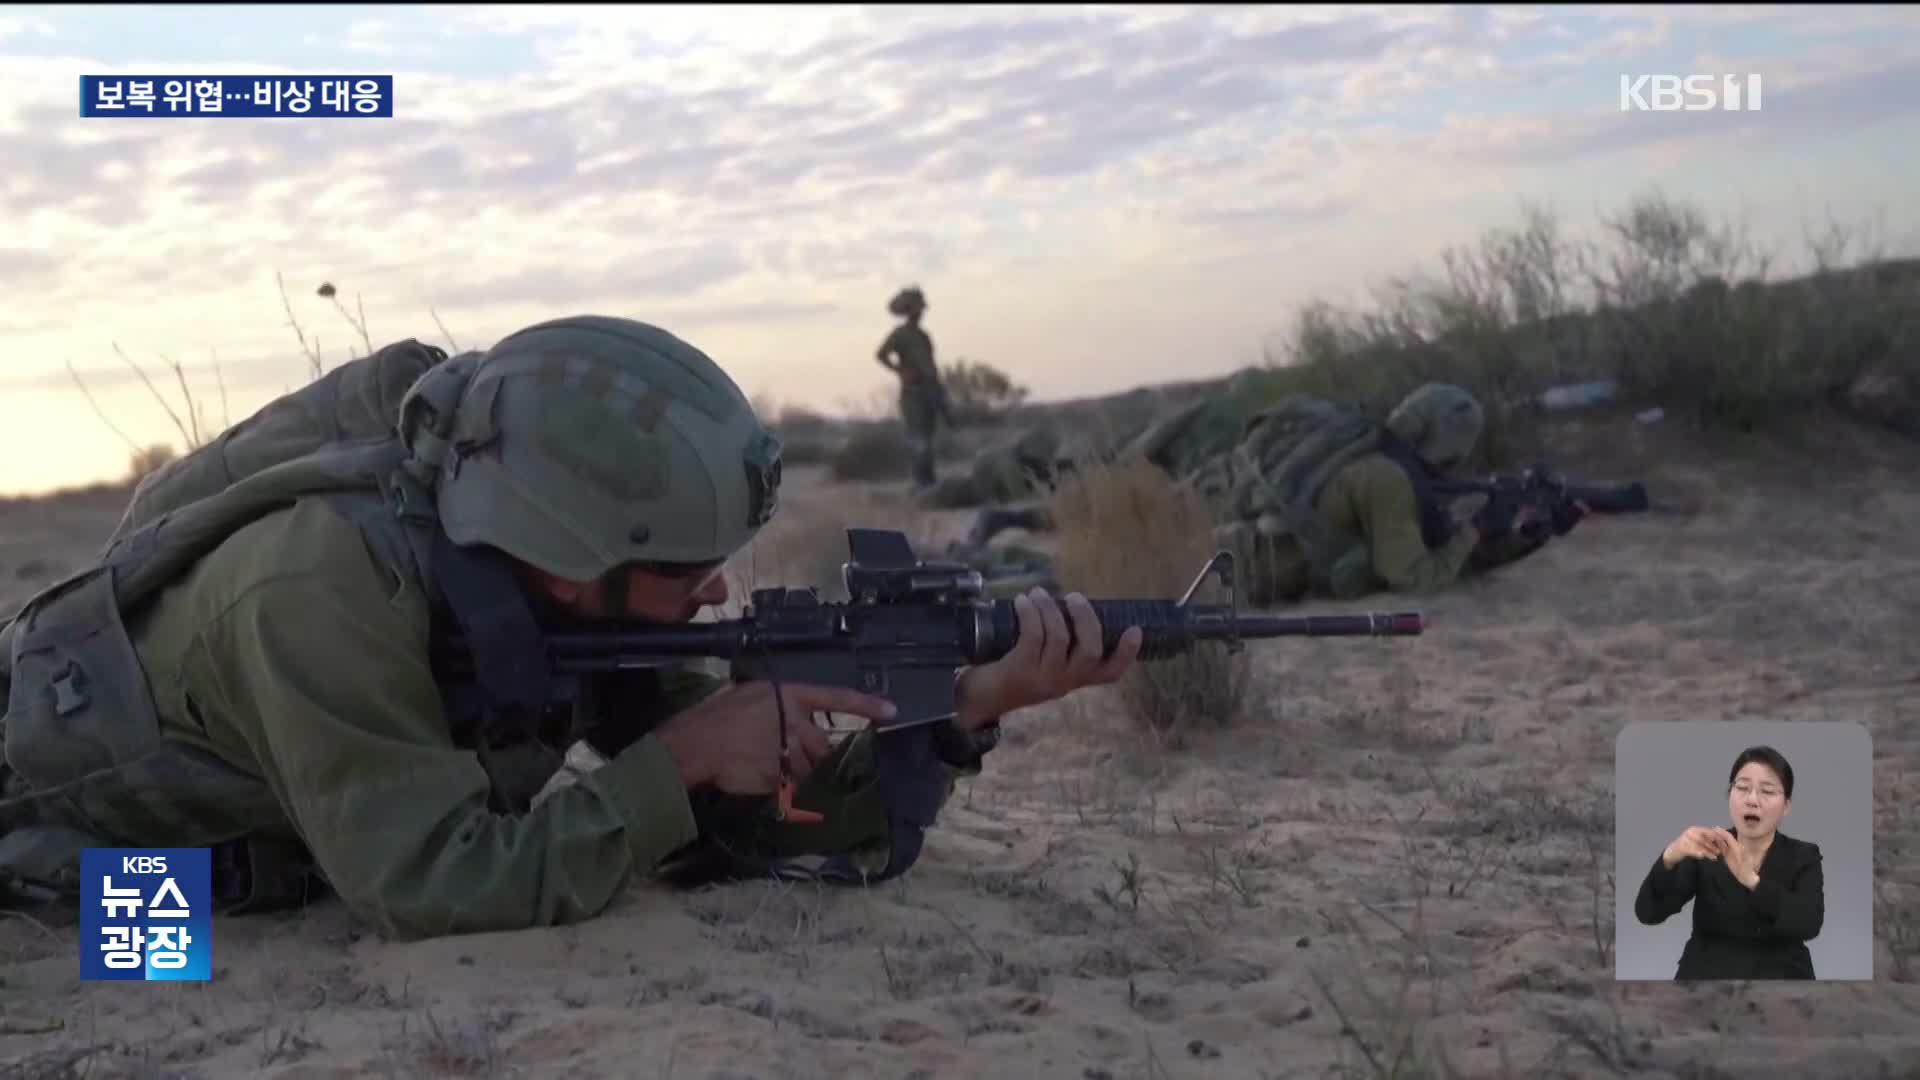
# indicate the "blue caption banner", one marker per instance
pixel 236 95
pixel 146 914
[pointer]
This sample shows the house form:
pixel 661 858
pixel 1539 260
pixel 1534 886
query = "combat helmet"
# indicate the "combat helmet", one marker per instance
pixel 585 443
pixel 907 300
pixel 1440 422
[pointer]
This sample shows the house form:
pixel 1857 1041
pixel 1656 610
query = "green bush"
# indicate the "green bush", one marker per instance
pixel 980 393
pixel 1647 304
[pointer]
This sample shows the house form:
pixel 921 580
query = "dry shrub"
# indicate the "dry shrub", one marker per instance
pixel 1126 530
pixel 873 451
pixel 806 450
pixel 148 459
pixel 806 437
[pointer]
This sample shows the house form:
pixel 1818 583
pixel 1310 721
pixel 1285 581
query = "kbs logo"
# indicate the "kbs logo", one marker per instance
pixel 1690 93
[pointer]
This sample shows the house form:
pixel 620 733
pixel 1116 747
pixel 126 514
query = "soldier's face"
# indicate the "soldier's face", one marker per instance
pixel 653 594
pixel 670 597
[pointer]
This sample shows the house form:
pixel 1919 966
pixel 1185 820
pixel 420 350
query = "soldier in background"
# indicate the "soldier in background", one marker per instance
pixel 1009 472
pixel 1314 497
pixel 908 353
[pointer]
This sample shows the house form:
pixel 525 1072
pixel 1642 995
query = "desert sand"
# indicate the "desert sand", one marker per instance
pixel 1400 864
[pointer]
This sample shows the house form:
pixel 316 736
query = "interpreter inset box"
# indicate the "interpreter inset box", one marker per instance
pixel 1743 850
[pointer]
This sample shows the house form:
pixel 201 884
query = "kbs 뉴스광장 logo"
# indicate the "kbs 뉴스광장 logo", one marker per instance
pixel 145 914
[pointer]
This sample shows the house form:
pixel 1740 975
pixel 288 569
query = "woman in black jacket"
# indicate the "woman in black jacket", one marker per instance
pixel 1757 892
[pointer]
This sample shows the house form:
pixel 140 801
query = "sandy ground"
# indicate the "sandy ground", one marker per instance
pixel 1405 857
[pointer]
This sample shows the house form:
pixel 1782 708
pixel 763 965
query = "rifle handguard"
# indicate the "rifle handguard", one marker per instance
pixel 1170 628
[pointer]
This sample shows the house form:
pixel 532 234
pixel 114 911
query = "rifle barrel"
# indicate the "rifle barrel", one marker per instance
pixel 1620 499
pixel 1362 624
pixel 1170 629
pixel 685 639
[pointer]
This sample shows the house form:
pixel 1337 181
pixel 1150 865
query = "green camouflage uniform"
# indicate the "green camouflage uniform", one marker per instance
pixel 273 688
pixel 1370 526
pixel 1369 498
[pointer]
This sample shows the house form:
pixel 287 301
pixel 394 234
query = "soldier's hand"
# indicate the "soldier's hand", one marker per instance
pixel 1044 663
pixel 1568 514
pixel 731 740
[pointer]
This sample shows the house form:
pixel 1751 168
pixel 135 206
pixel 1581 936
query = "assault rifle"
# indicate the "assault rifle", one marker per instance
pixel 1557 501
pixel 908 625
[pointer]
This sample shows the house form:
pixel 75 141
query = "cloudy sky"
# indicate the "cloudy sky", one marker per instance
pixel 1092 197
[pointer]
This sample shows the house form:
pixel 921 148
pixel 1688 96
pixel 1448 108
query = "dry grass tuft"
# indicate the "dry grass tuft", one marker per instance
pixel 450 1048
pixel 148 459
pixel 1126 530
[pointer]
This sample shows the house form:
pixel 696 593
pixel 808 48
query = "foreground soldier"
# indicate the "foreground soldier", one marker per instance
pixel 274 694
pixel 908 353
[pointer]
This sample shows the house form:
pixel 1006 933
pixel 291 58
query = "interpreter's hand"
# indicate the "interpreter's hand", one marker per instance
pixel 1743 864
pixel 1044 664
pixel 731 740
pixel 1697 842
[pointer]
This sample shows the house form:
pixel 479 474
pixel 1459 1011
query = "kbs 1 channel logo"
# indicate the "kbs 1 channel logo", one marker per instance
pixel 1690 93
pixel 207 96
pixel 146 914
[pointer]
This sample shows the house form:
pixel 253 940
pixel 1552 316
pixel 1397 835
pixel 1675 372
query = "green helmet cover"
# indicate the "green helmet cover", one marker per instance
pixel 584 443
pixel 1441 422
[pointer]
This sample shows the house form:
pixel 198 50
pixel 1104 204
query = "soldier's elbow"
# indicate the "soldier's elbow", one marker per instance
pixel 1410 581
pixel 1424 585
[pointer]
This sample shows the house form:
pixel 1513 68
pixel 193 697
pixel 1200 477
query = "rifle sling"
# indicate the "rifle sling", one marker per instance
pixel 1436 521
pixel 510 662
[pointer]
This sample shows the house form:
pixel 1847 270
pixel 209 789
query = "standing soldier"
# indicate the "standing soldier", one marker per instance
pixel 908 353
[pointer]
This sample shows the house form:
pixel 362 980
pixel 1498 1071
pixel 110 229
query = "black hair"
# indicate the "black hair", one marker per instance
pixel 1771 758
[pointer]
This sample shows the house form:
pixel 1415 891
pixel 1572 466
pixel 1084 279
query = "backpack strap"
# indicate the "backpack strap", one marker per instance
pixel 1436 523
pixel 512 670
pixel 473 588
